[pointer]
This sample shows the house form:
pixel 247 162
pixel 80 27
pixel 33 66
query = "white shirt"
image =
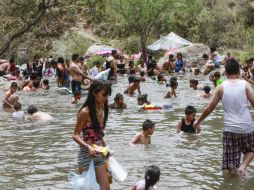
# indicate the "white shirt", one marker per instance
pixel 18 115
pixel 141 186
pixel 94 71
pixel 237 117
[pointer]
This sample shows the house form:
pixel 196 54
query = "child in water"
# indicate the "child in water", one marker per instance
pixel 18 115
pixel 206 93
pixel 142 76
pixel 35 115
pixel 144 137
pixel 118 103
pixel 186 124
pixel 135 86
pixel 76 97
pixel 152 176
pixel 161 79
pixel 215 78
pixel 9 98
pixel 173 84
pixel 194 84
pixel 45 84
pixel 142 99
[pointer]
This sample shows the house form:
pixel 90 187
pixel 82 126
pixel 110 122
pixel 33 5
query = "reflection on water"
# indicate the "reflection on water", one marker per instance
pixel 39 156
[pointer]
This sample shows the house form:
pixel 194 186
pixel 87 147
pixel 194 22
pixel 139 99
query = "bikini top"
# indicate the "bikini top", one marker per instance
pixel 90 136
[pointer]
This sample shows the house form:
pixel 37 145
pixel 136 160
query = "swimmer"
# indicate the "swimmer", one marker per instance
pixel 36 84
pixel 194 84
pixel 35 115
pixel 206 93
pixel 142 99
pixel 152 176
pixel 76 97
pixel 144 137
pixel 45 84
pixel 118 103
pixel 18 115
pixel 161 79
pixel 173 84
pixel 29 86
pixel 135 86
pixel 215 78
pixel 186 124
pixel 9 98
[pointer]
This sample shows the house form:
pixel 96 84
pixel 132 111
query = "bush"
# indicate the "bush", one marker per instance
pixel 90 61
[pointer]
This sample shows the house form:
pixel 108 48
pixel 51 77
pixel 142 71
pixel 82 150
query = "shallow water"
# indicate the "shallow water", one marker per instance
pixel 40 156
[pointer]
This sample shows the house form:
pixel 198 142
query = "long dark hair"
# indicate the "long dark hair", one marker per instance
pixel 96 87
pixel 152 176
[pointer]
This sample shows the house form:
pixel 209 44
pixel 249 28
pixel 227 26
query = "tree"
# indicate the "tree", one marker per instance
pixel 141 16
pixel 20 16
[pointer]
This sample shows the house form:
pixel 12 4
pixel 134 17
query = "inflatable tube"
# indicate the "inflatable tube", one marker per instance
pixel 103 75
pixel 156 107
pixel 64 91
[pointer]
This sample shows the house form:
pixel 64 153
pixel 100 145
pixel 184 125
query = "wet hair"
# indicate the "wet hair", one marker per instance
pixel 12 60
pixel 212 48
pixel 96 87
pixel 131 79
pixel 173 81
pixel 171 56
pixel 36 83
pixel 77 93
pixel 60 60
pixel 81 58
pixel 118 96
pixel 147 124
pixel 142 97
pixel 45 82
pixel 75 57
pixel 142 73
pixel 217 74
pixel 205 56
pixel 232 67
pixel 14 85
pixel 189 110
pixel 160 77
pixel 207 89
pixel 113 52
pixel 17 106
pixel 152 176
pixel 194 81
pixel 32 109
pixel 136 79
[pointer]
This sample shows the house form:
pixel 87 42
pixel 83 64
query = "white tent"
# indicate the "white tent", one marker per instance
pixel 168 42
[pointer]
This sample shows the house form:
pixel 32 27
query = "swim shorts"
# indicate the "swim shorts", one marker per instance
pixel 84 159
pixel 233 145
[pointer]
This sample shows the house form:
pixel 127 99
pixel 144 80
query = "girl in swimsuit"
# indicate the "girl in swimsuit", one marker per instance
pixel 91 121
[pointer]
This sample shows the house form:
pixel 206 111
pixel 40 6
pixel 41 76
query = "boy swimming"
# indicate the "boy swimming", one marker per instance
pixel 206 93
pixel 35 115
pixel 173 84
pixel 18 115
pixel 135 86
pixel 186 124
pixel 9 98
pixel 144 137
pixel 45 84
pixel 118 103
pixel 142 99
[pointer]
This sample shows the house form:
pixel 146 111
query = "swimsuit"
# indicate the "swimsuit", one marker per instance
pixel 188 128
pixel 179 65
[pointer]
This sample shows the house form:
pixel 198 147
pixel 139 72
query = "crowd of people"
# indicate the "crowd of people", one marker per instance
pixel 235 93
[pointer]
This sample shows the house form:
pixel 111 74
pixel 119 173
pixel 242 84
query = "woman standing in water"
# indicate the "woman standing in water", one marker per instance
pixel 91 121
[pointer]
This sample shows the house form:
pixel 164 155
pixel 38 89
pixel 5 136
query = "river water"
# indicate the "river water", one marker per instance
pixel 40 155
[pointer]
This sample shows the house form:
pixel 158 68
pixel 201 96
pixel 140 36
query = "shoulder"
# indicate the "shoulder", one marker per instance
pixel 84 112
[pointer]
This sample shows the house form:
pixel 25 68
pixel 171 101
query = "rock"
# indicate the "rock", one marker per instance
pixel 191 54
pixel 22 55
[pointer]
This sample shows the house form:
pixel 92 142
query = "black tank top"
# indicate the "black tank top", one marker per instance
pixel 188 128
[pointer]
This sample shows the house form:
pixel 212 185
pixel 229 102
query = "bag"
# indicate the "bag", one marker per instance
pixel 85 181
pixel 116 170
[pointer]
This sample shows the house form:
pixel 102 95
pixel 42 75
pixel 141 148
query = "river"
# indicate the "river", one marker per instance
pixel 40 155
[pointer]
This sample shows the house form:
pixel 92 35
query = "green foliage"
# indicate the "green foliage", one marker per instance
pixel 70 43
pixel 90 61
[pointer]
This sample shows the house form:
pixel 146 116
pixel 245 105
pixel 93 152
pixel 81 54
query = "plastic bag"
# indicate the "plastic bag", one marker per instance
pixel 85 181
pixel 103 75
pixel 103 150
pixel 116 170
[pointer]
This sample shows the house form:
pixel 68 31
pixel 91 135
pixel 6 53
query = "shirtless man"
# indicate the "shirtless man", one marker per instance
pixel 83 66
pixel 7 66
pixel 76 74
pixel 144 137
pixel 35 115
pixel 9 98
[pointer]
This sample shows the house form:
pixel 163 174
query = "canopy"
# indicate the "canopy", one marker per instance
pixel 168 42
